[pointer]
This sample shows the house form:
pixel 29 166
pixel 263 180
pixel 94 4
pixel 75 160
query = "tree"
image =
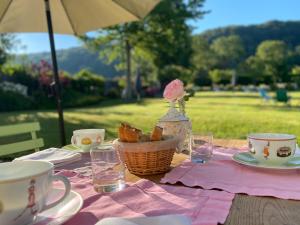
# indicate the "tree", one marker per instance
pixel 204 58
pixel 7 42
pixel 164 35
pixel 296 71
pixel 275 55
pixel 253 35
pixel 294 57
pixel 295 74
pixel 115 44
pixel 219 76
pixel 252 69
pixel 87 82
pixel 167 34
pixel 171 72
pixel 230 52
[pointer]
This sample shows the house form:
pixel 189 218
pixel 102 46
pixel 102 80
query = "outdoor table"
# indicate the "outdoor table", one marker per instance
pixel 245 209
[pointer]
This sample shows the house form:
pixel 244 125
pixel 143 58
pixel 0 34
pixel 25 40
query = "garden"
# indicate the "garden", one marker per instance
pixel 226 114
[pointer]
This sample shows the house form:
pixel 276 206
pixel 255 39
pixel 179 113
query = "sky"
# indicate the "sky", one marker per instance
pixel 222 13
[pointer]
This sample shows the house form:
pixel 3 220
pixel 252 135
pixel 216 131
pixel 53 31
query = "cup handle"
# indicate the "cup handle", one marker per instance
pixel 73 140
pixel 67 190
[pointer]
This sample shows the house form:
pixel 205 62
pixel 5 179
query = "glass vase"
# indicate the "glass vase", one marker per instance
pixel 175 123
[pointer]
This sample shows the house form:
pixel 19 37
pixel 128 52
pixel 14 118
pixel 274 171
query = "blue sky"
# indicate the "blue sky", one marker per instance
pixel 223 13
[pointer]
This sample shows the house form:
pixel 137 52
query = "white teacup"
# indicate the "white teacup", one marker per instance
pixel 87 138
pixel 271 148
pixel 24 187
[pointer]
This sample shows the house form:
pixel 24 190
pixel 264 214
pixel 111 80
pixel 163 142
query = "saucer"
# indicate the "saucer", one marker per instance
pixel 245 158
pixel 63 211
pixel 165 219
pixel 73 148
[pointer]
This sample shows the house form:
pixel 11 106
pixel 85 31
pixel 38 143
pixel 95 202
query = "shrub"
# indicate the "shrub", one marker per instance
pixel 201 78
pixel 152 91
pixel 171 72
pixel 244 80
pixel 88 83
pixel 13 87
pixel 295 75
pixel 113 93
pixel 20 75
pixel 10 101
pixel 220 76
pixel 190 92
pixel 72 98
pixel 42 100
pixel 85 88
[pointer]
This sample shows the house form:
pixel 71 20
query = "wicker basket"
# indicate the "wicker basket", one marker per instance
pixel 147 158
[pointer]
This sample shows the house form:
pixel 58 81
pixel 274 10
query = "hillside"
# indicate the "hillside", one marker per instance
pixel 72 60
pixel 253 35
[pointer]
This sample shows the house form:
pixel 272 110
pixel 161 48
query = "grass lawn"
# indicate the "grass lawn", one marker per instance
pixel 226 114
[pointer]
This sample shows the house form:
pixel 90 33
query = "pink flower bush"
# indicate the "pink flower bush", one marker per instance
pixel 174 90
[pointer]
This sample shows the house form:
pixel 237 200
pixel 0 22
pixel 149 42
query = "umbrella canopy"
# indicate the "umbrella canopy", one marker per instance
pixel 68 17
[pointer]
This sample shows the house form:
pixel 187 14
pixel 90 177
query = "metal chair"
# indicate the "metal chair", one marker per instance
pixel 16 147
pixel 264 95
pixel 282 96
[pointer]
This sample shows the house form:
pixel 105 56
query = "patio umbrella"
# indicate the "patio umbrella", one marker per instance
pixel 68 17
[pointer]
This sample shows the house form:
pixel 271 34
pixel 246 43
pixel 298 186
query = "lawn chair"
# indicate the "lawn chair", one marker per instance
pixel 13 130
pixel 282 96
pixel 264 95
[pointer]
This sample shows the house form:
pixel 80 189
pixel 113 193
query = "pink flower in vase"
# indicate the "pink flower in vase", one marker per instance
pixel 174 90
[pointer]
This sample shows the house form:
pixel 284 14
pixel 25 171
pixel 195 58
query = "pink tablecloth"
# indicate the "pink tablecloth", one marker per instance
pixel 225 174
pixel 145 198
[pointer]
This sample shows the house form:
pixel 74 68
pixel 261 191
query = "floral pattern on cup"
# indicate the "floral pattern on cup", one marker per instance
pixel 25 191
pixel 99 139
pixel 251 149
pixel 266 151
pixel 272 148
pixel 31 206
pixel 284 152
pixel 86 141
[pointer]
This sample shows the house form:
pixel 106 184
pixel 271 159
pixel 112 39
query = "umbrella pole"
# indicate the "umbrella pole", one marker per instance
pixel 56 78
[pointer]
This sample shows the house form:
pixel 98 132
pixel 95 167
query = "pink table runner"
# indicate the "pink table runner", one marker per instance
pixel 223 173
pixel 145 198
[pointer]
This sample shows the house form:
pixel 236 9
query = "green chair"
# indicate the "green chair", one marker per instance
pixel 282 96
pixel 21 146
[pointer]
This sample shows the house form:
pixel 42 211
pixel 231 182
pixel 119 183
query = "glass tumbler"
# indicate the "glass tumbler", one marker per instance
pixel 107 169
pixel 201 147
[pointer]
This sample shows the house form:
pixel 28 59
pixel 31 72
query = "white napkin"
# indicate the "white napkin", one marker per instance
pixel 156 220
pixel 56 156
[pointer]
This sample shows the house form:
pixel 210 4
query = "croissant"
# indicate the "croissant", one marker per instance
pixel 121 133
pixel 132 134
pixel 156 134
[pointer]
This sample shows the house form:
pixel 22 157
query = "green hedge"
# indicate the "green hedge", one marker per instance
pixel 84 88
pixel 11 101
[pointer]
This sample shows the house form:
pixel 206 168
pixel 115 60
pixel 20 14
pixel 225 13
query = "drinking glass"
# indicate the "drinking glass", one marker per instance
pixel 201 147
pixel 107 169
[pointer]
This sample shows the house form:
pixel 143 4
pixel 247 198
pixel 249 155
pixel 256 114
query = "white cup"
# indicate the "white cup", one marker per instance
pixel 270 148
pixel 87 138
pixel 24 187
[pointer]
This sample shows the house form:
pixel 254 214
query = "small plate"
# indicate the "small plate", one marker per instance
pixel 73 148
pixel 62 212
pixel 165 219
pixel 245 158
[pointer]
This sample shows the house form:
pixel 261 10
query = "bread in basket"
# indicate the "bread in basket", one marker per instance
pixel 147 157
